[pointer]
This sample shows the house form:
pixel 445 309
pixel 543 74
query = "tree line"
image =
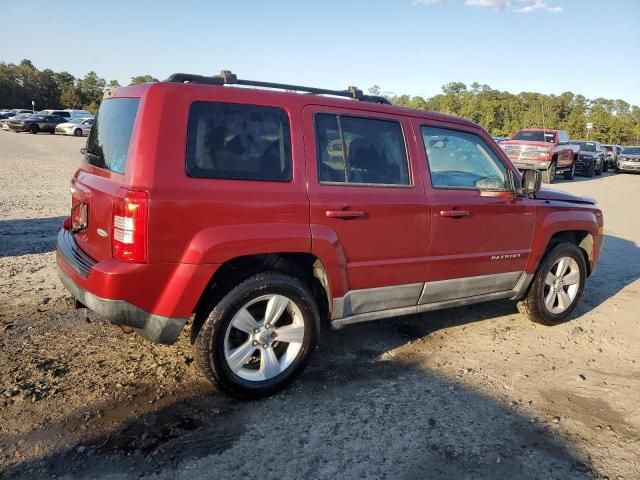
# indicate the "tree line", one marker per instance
pixel 504 113
pixel 501 113
pixel 23 83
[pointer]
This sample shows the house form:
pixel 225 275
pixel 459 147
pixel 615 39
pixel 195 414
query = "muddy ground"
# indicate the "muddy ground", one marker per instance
pixel 473 392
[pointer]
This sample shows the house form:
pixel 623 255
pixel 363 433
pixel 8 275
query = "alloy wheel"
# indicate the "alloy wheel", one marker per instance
pixel 264 337
pixel 561 285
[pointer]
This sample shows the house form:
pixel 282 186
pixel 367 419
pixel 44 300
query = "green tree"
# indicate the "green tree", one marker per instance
pixel 69 98
pixel 142 79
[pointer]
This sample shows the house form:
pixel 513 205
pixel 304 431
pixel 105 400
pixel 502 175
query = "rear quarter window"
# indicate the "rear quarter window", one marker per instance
pixel 238 142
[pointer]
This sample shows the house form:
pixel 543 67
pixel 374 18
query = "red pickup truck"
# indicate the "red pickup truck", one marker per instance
pixel 254 216
pixel 548 150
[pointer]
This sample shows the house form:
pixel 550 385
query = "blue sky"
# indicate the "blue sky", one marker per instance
pixel 405 46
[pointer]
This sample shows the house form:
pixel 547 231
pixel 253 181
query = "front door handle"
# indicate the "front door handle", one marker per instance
pixel 344 214
pixel 454 213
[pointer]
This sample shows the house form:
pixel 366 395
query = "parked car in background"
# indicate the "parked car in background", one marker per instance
pixel 612 151
pixel 500 139
pixel 70 114
pixel 629 160
pixel 168 222
pixel 78 127
pixel 592 158
pixel 548 150
pixel 36 123
pixel 4 124
pixel 4 115
pixel 18 111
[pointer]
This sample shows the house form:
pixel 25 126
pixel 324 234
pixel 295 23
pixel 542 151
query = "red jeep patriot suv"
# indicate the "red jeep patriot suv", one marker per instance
pixel 259 214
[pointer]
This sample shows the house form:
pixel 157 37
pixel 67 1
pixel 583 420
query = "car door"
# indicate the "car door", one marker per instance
pixel 49 123
pixel 481 230
pixel 368 216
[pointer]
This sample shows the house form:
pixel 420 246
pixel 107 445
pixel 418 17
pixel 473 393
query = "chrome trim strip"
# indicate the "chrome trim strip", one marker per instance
pixel 367 300
pixel 455 288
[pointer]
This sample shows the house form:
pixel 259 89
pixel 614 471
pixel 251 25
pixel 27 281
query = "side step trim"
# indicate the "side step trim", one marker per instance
pixel 514 294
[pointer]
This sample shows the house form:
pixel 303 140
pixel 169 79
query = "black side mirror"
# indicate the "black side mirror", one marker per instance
pixel 531 181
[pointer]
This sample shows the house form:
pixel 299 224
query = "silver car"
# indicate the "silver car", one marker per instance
pixel 629 160
pixel 78 127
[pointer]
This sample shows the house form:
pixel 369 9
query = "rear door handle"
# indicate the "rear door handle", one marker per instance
pixel 345 214
pixel 454 213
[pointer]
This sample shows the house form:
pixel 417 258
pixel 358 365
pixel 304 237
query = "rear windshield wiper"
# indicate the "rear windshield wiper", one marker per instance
pixel 89 153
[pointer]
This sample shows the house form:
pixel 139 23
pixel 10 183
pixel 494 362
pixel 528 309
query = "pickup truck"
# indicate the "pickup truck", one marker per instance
pixel 548 150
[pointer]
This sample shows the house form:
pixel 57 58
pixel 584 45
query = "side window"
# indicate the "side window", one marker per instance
pixel 462 160
pixel 356 150
pixel 238 142
pixel 563 137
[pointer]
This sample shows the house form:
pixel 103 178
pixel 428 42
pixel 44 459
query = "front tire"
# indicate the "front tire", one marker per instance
pixel 600 169
pixel 77 132
pixel 591 170
pixel 557 286
pixel 34 129
pixel 259 337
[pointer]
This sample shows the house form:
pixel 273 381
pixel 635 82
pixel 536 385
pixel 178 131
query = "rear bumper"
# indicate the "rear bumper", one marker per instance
pixel 154 299
pixel 148 325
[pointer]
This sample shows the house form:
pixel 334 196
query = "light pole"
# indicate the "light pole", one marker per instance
pixel 33 106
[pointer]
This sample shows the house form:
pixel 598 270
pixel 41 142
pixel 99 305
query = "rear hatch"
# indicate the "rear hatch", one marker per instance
pixel 102 175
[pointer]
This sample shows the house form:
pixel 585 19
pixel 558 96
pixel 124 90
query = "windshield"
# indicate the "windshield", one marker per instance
pixel 535 136
pixel 108 142
pixel 608 148
pixel 22 116
pixel 631 151
pixel 586 146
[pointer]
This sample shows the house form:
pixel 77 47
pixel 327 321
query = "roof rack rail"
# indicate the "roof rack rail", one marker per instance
pixel 228 78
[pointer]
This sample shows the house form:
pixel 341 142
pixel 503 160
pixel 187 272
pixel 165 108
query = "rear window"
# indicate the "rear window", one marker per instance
pixel 238 142
pixel 108 142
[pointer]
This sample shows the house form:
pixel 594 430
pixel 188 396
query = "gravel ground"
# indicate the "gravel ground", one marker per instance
pixel 472 392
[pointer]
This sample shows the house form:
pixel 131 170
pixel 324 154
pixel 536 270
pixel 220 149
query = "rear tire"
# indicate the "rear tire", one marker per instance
pixel 549 175
pixel 34 129
pixel 569 174
pixel 237 347
pixel 557 286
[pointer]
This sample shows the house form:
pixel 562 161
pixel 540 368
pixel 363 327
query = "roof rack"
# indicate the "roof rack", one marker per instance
pixel 228 78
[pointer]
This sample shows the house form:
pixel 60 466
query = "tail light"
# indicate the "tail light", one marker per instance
pixel 130 218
